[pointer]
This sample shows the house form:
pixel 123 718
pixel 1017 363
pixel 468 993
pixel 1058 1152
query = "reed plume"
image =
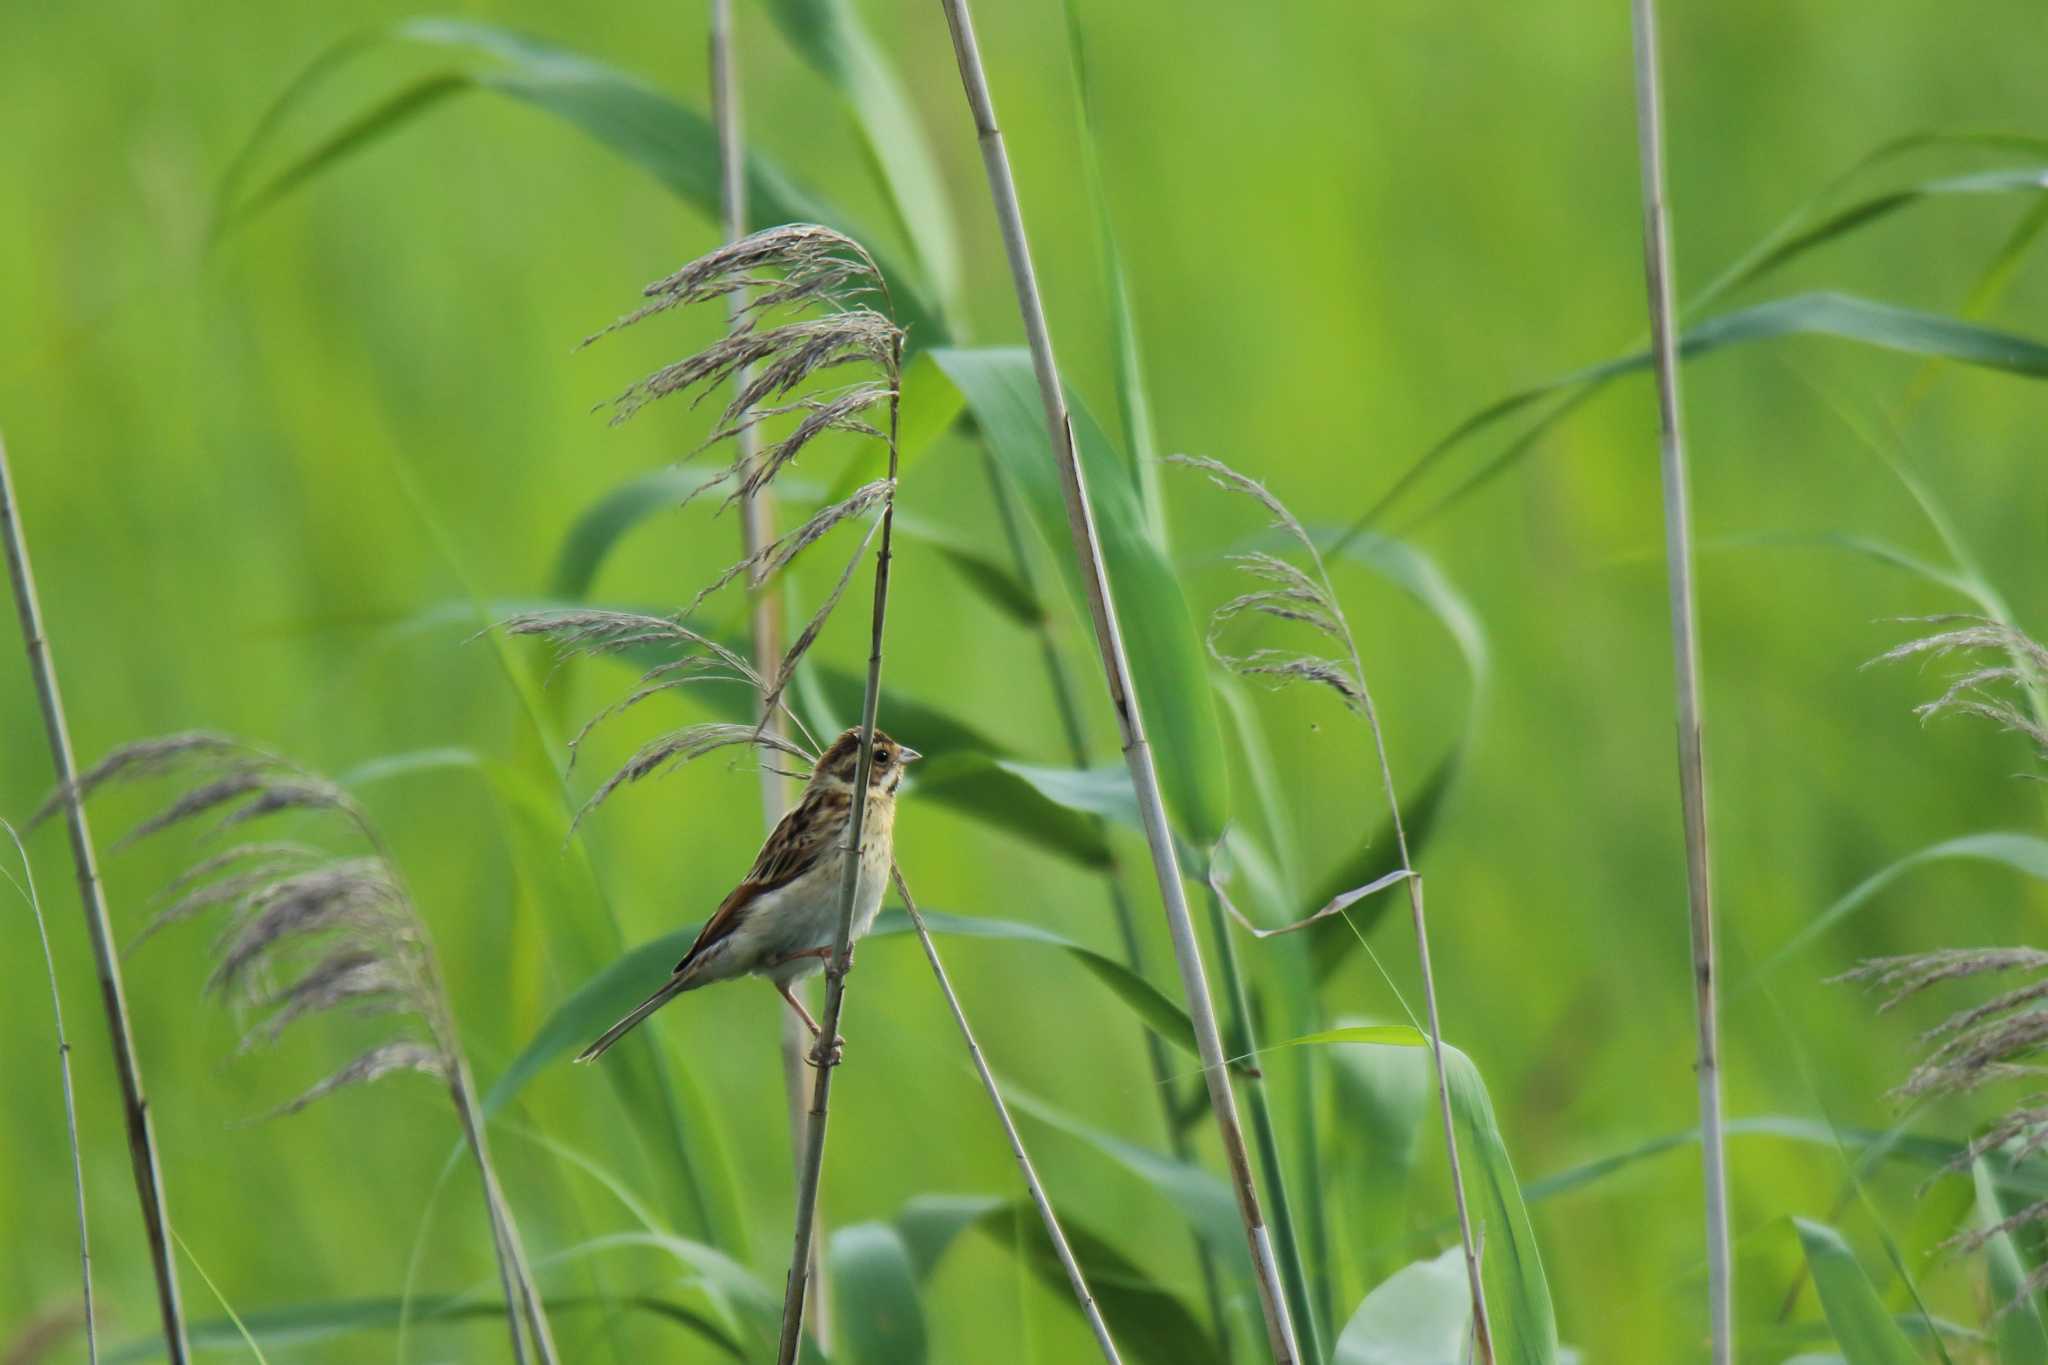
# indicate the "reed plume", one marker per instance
pixel 1998 1039
pixel 1283 591
pixel 313 932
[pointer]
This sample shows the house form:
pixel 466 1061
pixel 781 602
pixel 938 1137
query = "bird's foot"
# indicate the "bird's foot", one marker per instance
pixel 820 1056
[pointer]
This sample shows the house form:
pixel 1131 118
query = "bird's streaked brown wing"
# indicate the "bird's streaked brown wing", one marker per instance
pixel 799 841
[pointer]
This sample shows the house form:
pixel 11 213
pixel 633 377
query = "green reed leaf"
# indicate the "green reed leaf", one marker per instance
pixel 674 144
pixel 1171 671
pixel 2022 1336
pixel 1863 1329
pixel 2024 853
pixel 1840 316
pixel 832 40
pixel 880 1318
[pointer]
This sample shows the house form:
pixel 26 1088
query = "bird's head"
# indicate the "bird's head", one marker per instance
pixel 837 767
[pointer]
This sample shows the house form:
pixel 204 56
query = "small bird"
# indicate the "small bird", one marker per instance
pixel 782 920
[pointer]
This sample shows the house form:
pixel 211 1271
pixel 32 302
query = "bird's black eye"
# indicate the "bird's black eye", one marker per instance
pixel 882 757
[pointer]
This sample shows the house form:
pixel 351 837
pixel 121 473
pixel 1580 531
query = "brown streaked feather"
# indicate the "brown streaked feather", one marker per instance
pixel 797 844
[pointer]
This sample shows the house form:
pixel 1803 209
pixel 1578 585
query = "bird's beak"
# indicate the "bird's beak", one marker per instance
pixel 908 754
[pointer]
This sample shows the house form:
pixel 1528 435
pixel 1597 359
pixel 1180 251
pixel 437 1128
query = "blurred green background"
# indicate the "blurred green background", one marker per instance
pixel 1346 227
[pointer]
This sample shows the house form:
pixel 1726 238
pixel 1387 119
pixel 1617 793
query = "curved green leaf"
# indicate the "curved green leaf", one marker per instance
pixel 2022 1337
pixel 2015 180
pixel 674 144
pixel 1163 1016
pixel 1148 1322
pixel 1841 316
pixel 1135 406
pixel 930 1223
pixel 1866 547
pixel 1422 1315
pixel 829 36
pixel 988 789
pixel 1863 1329
pixel 1171 674
pixel 1198 1195
pixel 1105 792
pixel 1381 1096
pixel 1517 1291
pixel 605 522
pixel 881 1318
pixel 2021 852
pixel 591 1009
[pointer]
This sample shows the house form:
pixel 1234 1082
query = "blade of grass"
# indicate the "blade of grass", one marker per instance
pixel 674 144
pixel 1525 1324
pixel 721 1224
pixel 1055 1235
pixel 1685 663
pixel 1141 443
pixel 2022 1337
pixel 1863 1329
pixel 2025 853
pixel 26 889
pixel 884 1320
pixel 142 1152
pixel 1140 583
pixel 241 1328
pixel 832 40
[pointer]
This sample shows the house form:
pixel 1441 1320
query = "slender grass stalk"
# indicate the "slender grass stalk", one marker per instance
pixel 757 530
pixel 811 1168
pixel 142 1153
pixel 515 1275
pixel 1685 658
pixel 27 888
pixel 1291 595
pixel 1051 1220
pixel 1109 638
pixel 1067 702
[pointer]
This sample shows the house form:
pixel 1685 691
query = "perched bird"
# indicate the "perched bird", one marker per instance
pixel 782 920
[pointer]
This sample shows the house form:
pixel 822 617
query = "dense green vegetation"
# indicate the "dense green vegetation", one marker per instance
pixel 294 411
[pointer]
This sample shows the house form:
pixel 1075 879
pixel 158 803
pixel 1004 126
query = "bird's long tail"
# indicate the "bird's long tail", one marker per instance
pixel 670 989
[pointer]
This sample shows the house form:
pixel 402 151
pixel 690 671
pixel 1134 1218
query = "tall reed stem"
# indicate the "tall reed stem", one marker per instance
pixel 27 888
pixel 1067 701
pixel 1482 1327
pixel 1053 1231
pixel 1109 639
pixel 1692 780
pixel 757 528
pixel 812 1166
pixel 142 1154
